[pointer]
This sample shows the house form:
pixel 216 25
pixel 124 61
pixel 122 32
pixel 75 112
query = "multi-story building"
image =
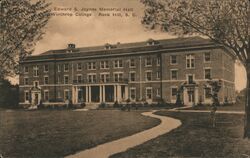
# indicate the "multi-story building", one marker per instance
pixel 148 71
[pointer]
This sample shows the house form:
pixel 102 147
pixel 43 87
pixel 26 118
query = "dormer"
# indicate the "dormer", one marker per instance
pixel 152 42
pixel 109 46
pixel 71 46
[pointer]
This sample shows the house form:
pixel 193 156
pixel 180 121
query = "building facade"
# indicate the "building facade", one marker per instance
pixel 144 71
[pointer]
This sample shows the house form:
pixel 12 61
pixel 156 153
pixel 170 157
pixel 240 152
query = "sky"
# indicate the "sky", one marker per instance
pixel 98 30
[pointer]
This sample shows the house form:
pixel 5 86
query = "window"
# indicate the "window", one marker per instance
pixel 66 94
pixel 58 94
pixel 158 74
pixel 46 95
pixel 26 69
pixel 26 96
pixel 66 67
pixel 208 92
pixel 173 59
pixel 26 81
pixel 158 61
pixel 207 73
pixel 190 79
pixel 158 94
pixel 46 80
pixel 190 61
pixel 148 75
pixel 174 74
pixel 35 71
pixel 149 93
pixel 132 93
pixel 79 78
pixel 207 57
pixel 58 79
pixel 36 83
pixel 66 79
pixel 104 65
pixel 104 77
pixel 118 77
pixel 91 65
pixel 91 78
pixel 58 68
pixel 148 61
pixel 79 66
pixel 173 93
pixel 46 68
pixel 118 64
pixel 132 63
pixel 132 76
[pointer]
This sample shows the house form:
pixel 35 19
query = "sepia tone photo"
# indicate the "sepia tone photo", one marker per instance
pixel 124 79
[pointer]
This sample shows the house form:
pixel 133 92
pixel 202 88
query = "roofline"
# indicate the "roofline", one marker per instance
pixel 167 50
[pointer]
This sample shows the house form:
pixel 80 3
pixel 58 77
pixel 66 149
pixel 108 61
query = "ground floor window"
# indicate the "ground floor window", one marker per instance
pixel 174 93
pixel 46 95
pixel 132 93
pixel 207 93
pixel 149 93
pixel 66 94
pixel 158 94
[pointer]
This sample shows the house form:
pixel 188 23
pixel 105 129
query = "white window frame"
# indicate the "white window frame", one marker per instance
pixel 173 98
pixel 34 83
pixel 118 64
pixel 91 78
pixel 26 97
pixel 171 59
pixel 79 68
pixel 77 78
pixel 205 98
pixel 205 57
pixel 65 80
pixel 26 70
pixel 130 92
pixel 187 77
pixel 64 66
pixel 146 75
pixel 189 59
pixel 24 80
pixel 64 94
pixel 158 61
pixel 158 75
pixel 91 65
pixel 106 76
pixel 171 73
pixel 44 96
pixel 151 89
pixel 207 68
pixel 104 64
pixel 44 80
pixel 120 76
pixel 158 94
pixel 44 68
pixel 58 68
pixel 35 71
pixel 146 62
pixel 132 66
pixel 132 72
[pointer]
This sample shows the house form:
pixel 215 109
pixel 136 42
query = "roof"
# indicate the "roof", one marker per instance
pixel 125 48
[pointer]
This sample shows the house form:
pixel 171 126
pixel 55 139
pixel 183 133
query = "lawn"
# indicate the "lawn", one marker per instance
pixel 59 133
pixel 196 138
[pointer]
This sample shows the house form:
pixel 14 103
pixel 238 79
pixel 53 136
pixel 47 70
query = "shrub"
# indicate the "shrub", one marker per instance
pixel 102 105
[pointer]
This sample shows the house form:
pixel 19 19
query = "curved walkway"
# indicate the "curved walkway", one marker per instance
pixel 105 150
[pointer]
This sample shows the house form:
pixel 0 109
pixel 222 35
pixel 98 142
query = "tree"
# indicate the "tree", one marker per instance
pixel 21 26
pixel 226 22
pixel 9 95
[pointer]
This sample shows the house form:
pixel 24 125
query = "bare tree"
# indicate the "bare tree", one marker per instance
pixel 21 26
pixel 226 22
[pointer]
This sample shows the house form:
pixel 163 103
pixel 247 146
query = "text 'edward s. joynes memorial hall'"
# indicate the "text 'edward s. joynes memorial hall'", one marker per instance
pixel 141 71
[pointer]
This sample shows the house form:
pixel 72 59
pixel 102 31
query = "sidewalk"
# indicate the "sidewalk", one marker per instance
pixel 105 150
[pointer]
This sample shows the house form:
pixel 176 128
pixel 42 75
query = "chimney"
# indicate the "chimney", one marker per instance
pixel 71 46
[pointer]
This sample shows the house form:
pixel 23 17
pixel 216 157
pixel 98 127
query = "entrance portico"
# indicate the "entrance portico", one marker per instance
pixel 99 93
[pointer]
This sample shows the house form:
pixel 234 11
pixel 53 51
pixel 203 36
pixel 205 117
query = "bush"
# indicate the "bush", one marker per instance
pixel 102 105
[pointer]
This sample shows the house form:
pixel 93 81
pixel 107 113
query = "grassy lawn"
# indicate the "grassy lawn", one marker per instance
pixel 59 133
pixel 196 138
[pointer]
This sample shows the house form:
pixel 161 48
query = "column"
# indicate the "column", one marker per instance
pixel 196 95
pixel 89 94
pixel 185 96
pixel 103 93
pixel 126 92
pixel 76 95
pixel 100 93
pixel 73 95
pixel 115 93
pixel 86 94
pixel 119 93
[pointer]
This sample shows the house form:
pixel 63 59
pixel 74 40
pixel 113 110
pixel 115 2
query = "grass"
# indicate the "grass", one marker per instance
pixel 59 133
pixel 196 138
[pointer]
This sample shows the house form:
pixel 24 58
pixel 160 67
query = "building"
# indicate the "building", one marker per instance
pixel 142 71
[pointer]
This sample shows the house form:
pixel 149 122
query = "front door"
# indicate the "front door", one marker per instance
pixel 191 98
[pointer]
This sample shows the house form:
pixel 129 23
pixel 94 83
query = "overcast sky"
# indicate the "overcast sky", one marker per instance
pixel 96 30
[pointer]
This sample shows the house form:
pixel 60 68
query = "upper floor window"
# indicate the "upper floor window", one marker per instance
pixel 207 57
pixel 58 79
pixel 58 68
pixel 173 59
pixel 66 67
pixel 104 77
pixel 36 83
pixel 132 76
pixel 26 81
pixel 118 64
pixel 26 96
pixel 132 63
pixel 158 74
pixel 118 77
pixel 132 93
pixel 26 69
pixel 104 65
pixel 79 78
pixel 91 65
pixel 158 94
pixel 35 71
pixel 149 93
pixel 91 78
pixel 46 79
pixel 207 73
pixel 46 95
pixel 174 74
pixel 190 79
pixel 190 61
pixel 79 66
pixel 148 61
pixel 149 76
pixel 66 79
pixel 158 61
pixel 46 68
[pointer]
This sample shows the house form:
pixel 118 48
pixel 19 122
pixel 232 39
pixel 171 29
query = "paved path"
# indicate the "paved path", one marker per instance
pixel 105 150
pixel 208 111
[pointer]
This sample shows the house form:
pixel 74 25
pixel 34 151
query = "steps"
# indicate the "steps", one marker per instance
pixel 91 106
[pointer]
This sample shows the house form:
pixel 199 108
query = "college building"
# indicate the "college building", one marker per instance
pixel 148 71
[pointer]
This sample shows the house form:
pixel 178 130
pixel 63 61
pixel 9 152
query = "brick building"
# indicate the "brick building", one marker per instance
pixel 148 71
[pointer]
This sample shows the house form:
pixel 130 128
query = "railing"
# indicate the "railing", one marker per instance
pixel 108 80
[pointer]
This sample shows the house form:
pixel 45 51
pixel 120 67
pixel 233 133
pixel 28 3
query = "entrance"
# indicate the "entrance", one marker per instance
pixel 109 93
pixel 191 98
pixel 95 91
